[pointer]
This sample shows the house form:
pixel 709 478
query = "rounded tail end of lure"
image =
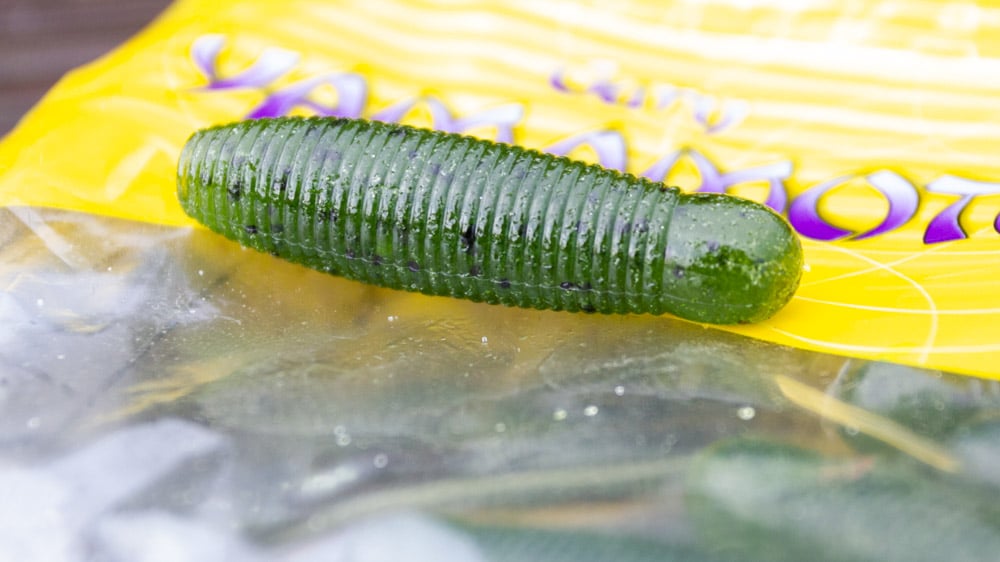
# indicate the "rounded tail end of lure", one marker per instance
pixel 730 260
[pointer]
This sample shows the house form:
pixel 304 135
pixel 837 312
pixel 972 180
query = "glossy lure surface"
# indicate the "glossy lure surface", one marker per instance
pixel 447 214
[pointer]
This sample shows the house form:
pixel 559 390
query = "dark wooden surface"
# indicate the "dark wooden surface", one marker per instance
pixel 40 40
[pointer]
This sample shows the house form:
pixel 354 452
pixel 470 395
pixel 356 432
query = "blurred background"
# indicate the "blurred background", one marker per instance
pixel 40 40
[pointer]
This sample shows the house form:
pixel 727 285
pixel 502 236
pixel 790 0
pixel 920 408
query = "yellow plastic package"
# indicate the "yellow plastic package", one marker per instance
pixel 875 129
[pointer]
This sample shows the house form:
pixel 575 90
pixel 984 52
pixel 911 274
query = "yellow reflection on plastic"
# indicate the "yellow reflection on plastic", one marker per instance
pixel 874 425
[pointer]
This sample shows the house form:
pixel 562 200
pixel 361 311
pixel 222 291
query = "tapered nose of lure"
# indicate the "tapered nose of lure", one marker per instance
pixel 730 260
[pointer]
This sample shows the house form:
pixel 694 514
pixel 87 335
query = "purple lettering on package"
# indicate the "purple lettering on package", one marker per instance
pixel 713 181
pixel 605 90
pixel 352 96
pixel 504 118
pixel 395 112
pixel 903 201
pixel 272 64
pixel 662 167
pixel 902 196
pixel 803 213
pixel 609 146
pixel 731 113
pixel 665 95
pixel 946 225
pixel 712 114
pixel 558 81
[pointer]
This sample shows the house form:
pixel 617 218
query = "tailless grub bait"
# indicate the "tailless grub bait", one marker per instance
pixel 446 214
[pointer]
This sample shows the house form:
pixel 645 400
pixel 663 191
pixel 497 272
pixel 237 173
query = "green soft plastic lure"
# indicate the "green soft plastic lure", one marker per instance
pixel 447 214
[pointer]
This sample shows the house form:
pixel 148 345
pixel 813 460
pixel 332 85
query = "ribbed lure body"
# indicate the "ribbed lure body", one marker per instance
pixel 446 214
